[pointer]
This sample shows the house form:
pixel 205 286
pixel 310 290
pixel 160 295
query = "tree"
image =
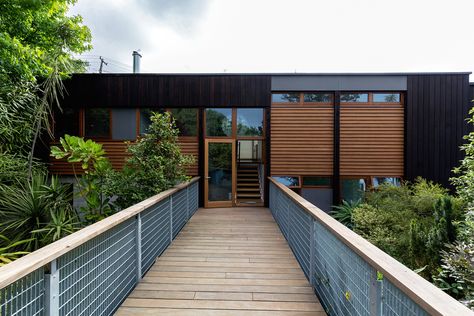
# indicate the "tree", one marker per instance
pixel 37 40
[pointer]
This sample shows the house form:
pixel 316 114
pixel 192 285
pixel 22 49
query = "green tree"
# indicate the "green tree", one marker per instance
pixel 156 163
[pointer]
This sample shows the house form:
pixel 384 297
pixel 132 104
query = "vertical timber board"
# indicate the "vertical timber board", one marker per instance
pixel 437 106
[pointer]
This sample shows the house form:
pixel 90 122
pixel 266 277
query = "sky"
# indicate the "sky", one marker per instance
pixel 215 36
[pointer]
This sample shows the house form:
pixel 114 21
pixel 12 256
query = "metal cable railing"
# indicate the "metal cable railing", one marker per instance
pixel 350 275
pixel 93 270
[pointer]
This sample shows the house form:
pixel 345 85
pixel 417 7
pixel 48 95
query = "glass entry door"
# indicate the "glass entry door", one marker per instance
pixel 219 173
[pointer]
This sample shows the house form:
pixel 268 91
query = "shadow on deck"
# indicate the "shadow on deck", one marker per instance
pixel 225 261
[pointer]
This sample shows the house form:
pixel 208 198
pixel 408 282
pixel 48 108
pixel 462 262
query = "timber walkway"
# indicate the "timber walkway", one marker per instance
pixel 225 261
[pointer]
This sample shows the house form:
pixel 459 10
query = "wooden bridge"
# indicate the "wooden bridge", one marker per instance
pixel 225 261
pixel 165 256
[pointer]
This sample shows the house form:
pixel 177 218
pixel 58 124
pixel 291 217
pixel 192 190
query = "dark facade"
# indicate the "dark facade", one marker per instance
pixel 418 135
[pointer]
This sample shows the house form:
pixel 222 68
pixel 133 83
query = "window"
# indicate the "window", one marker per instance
pixel 286 97
pixel 354 97
pixel 318 97
pixel 317 181
pixel 186 121
pixel 145 114
pixel 353 189
pixel 386 97
pixel 218 122
pixel 66 122
pixel 97 122
pixel 250 122
pixel 377 181
pixel 288 181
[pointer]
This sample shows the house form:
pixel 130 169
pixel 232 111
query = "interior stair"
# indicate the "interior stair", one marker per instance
pixel 248 185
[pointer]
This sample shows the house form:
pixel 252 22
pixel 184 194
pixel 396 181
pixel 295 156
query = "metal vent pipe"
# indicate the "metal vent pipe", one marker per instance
pixel 136 61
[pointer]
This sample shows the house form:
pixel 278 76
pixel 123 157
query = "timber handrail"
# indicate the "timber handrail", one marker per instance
pixel 29 263
pixel 425 294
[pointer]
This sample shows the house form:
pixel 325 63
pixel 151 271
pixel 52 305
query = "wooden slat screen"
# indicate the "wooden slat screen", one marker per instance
pixel 371 140
pixel 116 152
pixel 302 140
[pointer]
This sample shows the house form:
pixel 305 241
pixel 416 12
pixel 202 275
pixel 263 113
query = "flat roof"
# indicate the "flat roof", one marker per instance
pixel 282 74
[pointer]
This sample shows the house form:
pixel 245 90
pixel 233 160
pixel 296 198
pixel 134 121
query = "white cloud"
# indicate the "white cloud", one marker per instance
pixel 284 36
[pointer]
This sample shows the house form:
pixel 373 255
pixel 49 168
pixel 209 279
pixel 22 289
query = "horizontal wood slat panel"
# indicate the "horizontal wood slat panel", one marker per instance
pixel 117 154
pixel 371 141
pixel 302 140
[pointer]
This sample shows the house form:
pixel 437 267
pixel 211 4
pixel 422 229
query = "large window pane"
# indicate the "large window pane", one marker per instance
pixel 286 97
pixel 386 97
pixel 353 189
pixel 218 122
pixel 145 115
pixel 66 122
pixel 316 181
pixel 318 97
pixel 186 121
pixel 250 122
pixel 354 97
pixel 97 122
pixel 220 171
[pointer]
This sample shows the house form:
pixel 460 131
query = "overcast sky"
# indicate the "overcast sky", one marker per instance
pixel 282 35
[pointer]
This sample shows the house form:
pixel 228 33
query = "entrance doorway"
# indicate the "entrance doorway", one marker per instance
pixel 234 170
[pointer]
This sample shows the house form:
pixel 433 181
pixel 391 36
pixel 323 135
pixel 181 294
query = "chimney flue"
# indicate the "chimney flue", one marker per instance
pixel 136 61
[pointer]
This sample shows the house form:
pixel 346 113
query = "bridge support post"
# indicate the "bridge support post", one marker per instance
pixel 52 290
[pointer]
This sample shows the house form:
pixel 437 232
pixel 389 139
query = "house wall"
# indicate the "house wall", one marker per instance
pixel 419 137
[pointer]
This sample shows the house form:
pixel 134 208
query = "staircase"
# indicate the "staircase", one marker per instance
pixel 248 185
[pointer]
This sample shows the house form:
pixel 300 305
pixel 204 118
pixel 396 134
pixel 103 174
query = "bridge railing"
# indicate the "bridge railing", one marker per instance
pixel 350 275
pixel 92 271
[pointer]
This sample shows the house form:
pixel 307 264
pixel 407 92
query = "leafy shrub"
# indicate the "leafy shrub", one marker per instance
pixel 456 275
pixel 9 250
pixel 412 222
pixel 156 163
pixel 91 157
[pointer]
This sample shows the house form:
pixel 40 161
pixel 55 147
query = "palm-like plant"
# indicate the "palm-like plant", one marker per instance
pixel 29 207
pixel 343 213
pixel 9 250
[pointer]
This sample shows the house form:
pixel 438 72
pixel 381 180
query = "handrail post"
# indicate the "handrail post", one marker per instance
pixel 375 295
pixel 187 203
pixel 312 241
pixel 171 218
pixel 138 237
pixel 52 290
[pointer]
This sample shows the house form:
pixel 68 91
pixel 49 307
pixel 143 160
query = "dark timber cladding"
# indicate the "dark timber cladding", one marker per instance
pixel 437 106
pixel 181 90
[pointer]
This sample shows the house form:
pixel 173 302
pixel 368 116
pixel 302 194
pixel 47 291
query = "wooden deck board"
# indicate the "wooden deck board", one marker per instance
pixel 228 261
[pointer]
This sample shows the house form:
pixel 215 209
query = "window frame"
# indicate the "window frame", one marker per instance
pixel 370 98
pixel 328 186
pixel 264 125
pixel 301 99
pixel 289 176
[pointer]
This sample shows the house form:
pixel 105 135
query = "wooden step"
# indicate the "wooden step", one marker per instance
pixel 256 185
pixel 248 195
pixel 248 189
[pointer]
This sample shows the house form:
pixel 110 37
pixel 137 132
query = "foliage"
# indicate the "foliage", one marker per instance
pixel 91 157
pixel 35 33
pixel 27 208
pixel 344 212
pixel 156 163
pixel 9 250
pixel 412 222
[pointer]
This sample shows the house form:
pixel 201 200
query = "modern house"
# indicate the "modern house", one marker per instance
pixel 326 136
